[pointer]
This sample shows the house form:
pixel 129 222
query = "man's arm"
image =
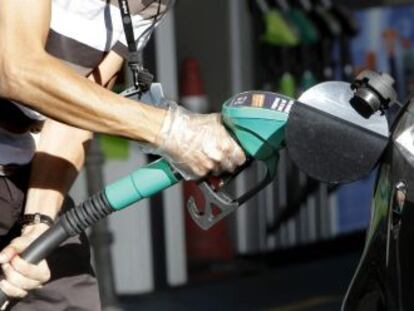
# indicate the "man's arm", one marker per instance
pixel 30 75
pixel 59 158
pixel 195 144
pixel 62 150
pixel 55 166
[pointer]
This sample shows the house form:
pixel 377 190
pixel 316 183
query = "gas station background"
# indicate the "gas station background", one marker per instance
pixel 159 257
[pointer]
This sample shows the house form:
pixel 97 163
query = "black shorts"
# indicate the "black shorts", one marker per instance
pixel 73 285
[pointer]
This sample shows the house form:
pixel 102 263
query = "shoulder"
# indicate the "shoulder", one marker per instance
pixel 148 9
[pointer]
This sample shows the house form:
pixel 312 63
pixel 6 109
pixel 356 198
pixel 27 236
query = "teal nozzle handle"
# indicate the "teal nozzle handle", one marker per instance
pixel 143 183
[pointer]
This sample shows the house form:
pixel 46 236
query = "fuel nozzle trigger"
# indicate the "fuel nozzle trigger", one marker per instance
pixel 218 204
pixel 209 216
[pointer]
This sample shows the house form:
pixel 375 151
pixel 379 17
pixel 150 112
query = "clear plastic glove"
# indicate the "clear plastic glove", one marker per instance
pixel 197 144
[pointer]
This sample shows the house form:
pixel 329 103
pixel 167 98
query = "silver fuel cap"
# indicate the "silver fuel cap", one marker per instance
pixel 329 140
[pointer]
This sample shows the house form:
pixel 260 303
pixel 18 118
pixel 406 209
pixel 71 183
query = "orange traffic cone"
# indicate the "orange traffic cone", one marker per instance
pixel 193 95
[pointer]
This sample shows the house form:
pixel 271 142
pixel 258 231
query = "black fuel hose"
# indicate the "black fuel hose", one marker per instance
pixel 71 223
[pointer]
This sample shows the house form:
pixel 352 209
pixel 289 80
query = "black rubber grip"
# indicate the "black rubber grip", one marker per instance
pixel 86 214
pixel 70 224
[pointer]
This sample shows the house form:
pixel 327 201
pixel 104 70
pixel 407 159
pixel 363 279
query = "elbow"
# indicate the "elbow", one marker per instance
pixel 9 77
pixel 17 73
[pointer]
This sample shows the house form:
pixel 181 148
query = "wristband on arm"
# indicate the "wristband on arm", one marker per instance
pixel 34 219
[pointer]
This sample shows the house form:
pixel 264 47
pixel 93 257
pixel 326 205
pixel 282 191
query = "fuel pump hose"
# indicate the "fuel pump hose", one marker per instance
pixel 143 183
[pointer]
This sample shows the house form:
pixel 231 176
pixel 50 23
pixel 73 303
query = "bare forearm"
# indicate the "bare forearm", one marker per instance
pixel 49 86
pixel 61 153
pixel 60 156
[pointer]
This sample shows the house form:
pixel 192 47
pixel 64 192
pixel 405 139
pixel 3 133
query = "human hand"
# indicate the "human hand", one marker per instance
pixel 20 276
pixel 197 144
